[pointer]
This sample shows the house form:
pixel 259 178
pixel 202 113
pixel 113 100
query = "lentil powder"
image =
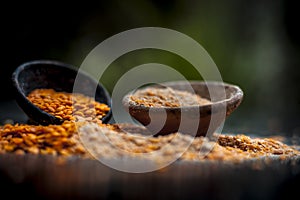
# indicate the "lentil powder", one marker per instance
pixel 166 97
pixel 104 142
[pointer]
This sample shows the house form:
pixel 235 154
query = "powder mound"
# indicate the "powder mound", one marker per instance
pixel 166 97
pixel 103 142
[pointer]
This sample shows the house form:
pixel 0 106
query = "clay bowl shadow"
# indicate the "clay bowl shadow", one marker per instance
pixel 58 76
pixel 194 120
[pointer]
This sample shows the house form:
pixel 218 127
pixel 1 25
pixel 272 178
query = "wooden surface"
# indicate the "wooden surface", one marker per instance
pixel 44 177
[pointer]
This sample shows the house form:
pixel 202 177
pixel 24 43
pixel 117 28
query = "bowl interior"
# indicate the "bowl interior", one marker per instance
pixel 58 76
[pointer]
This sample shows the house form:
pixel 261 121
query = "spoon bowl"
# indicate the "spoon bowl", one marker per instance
pixel 55 75
pixel 206 118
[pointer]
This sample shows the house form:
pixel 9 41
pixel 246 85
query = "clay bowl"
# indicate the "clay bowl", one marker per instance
pixel 194 120
pixel 58 76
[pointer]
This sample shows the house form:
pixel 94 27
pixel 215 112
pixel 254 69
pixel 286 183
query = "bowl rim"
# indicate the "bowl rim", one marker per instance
pixel 58 64
pixel 235 98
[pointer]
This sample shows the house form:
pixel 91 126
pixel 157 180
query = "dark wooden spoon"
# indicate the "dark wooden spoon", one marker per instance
pixel 58 76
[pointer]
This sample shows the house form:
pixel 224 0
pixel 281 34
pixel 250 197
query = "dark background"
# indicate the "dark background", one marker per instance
pixel 255 44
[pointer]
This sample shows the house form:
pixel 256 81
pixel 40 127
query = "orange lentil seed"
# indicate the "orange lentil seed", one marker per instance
pixel 67 106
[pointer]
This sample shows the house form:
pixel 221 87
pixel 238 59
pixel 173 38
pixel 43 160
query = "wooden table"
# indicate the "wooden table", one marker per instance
pixel 45 177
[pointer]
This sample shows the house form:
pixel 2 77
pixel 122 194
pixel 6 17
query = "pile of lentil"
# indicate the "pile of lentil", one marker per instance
pixel 68 106
pixel 62 140
pixel 91 140
pixel 166 97
pixel 37 139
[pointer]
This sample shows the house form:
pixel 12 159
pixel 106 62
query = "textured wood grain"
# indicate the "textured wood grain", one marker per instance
pixel 46 177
